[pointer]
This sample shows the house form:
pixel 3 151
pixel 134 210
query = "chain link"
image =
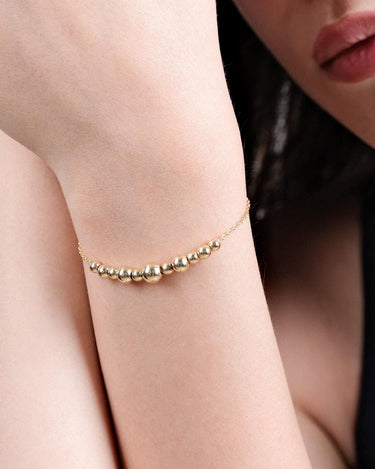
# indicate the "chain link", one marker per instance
pixel 83 255
pixel 221 238
pixel 236 225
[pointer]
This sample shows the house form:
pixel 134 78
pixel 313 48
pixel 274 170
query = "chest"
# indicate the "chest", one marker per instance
pixel 313 284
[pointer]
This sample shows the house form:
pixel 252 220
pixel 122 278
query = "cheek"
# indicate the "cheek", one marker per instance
pixel 271 21
pixel 265 16
pixel 288 29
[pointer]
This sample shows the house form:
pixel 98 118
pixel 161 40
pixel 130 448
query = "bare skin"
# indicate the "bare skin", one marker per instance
pixel 290 28
pixel 328 435
pixel 53 410
pixel 313 278
pixel 140 131
pixel 152 342
pixel 313 283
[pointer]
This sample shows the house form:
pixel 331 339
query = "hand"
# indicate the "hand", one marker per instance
pixel 109 74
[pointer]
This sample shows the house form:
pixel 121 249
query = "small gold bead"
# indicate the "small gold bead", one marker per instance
pixel 167 269
pixel 94 266
pixel 137 275
pixel 125 275
pixel 193 257
pixel 152 273
pixel 180 264
pixel 214 244
pixel 204 252
pixel 103 271
pixel 112 273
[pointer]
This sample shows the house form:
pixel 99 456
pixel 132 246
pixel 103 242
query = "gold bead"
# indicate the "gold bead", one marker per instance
pixel 214 244
pixel 112 273
pixel 125 275
pixel 152 273
pixel 204 252
pixel 94 266
pixel 137 275
pixel 180 264
pixel 167 269
pixel 102 271
pixel 193 257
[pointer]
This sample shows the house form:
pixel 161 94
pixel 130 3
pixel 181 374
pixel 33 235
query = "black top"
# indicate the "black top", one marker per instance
pixel 365 424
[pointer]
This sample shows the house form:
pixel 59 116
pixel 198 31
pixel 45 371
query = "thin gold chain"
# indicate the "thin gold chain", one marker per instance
pixel 83 255
pixel 236 225
pixel 221 238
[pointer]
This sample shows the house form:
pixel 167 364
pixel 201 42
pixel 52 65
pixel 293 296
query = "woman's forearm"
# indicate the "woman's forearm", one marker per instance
pixel 191 364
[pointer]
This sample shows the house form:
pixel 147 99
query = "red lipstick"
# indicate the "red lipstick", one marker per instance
pixel 345 50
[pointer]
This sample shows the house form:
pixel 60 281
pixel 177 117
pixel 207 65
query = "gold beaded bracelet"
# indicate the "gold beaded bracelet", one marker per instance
pixel 152 273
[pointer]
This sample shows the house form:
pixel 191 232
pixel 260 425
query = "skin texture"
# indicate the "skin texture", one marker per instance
pixel 129 130
pixel 140 131
pixel 315 283
pixel 289 28
pixel 128 136
pixel 313 287
pixel 322 451
pixel 53 410
pixel 90 77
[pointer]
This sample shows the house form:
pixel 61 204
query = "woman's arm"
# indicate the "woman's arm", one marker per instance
pixel 138 125
pixel 53 408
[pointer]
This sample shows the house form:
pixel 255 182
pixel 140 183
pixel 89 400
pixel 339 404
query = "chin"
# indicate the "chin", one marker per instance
pixel 352 104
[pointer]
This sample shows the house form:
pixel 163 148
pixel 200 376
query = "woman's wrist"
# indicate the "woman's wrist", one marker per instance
pixel 160 196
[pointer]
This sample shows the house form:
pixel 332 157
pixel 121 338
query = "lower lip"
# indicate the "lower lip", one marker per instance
pixel 353 65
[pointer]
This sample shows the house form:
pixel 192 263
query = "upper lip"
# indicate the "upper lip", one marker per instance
pixel 335 38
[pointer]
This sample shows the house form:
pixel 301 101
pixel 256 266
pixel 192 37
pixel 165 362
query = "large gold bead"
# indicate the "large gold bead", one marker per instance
pixel 112 273
pixel 214 244
pixel 137 275
pixel 167 269
pixel 94 266
pixel 152 273
pixel 180 264
pixel 103 271
pixel 125 275
pixel 204 252
pixel 193 257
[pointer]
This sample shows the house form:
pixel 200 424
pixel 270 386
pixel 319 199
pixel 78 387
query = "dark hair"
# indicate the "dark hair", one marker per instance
pixel 292 147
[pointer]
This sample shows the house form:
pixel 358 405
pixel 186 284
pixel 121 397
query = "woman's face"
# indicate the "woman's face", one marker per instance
pixel 328 47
